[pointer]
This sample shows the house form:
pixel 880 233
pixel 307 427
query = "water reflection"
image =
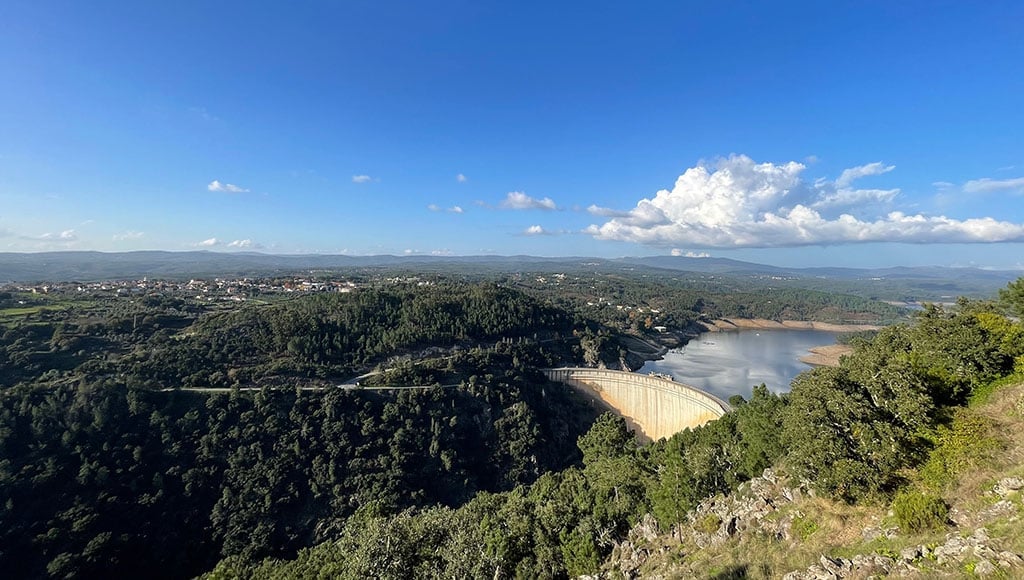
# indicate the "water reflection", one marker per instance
pixel 732 363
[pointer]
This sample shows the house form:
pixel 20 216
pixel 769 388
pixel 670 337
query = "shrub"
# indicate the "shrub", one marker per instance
pixel 804 527
pixel 916 511
pixel 966 442
pixel 708 524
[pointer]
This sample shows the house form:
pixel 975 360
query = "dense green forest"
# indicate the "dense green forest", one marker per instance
pixel 850 431
pixel 108 467
pixel 102 477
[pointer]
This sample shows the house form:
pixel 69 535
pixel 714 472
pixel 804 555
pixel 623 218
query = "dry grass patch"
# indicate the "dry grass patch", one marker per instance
pixel 970 491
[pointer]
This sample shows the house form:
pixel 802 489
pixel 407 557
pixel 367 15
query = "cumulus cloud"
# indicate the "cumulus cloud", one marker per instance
pixel 534 231
pixel 519 200
pixel 737 203
pixel 244 244
pixel 362 179
pixel 686 254
pixel 988 185
pixel 217 186
pixel 208 243
pixel 128 235
pixel 461 178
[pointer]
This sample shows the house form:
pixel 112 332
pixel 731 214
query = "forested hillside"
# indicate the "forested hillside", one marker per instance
pixel 168 342
pixel 851 432
pixel 102 478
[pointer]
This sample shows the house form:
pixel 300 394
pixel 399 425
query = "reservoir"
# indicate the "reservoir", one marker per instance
pixel 732 363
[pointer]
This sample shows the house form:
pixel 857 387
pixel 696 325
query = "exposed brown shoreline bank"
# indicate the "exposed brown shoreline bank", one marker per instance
pixel 727 324
pixel 826 356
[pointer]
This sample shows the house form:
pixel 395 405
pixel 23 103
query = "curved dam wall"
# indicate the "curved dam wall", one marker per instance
pixel 655 407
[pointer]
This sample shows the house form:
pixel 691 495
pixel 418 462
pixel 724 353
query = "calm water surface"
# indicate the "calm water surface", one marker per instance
pixel 732 363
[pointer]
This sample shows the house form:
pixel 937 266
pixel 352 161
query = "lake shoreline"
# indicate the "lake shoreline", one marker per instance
pixel 731 324
pixel 827 355
pixel 727 363
pixel 822 355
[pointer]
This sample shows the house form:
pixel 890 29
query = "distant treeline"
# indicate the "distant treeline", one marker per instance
pixel 637 304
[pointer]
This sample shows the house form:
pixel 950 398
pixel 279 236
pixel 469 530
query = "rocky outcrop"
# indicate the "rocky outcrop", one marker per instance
pixel 769 507
pixel 717 519
pixel 714 521
pixel 957 550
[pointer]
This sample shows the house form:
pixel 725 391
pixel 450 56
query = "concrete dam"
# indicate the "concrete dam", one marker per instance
pixel 653 406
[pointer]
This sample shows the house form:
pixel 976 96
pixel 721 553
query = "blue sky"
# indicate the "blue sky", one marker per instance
pixel 854 133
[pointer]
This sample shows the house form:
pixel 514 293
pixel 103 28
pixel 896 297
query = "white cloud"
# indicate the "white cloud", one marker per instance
pixel 209 243
pixel 540 231
pixel 738 203
pixel 519 200
pixel 988 185
pixel 848 176
pixel 362 179
pixel 452 209
pixel 64 236
pixel 849 197
pixel 461 178
pixel 244 244
pixel 128 235
pixel 686 254
pixel 225 187
pixel 442 252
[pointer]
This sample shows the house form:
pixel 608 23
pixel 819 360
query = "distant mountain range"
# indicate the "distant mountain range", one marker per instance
pixel 736 267
pixel 930 282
